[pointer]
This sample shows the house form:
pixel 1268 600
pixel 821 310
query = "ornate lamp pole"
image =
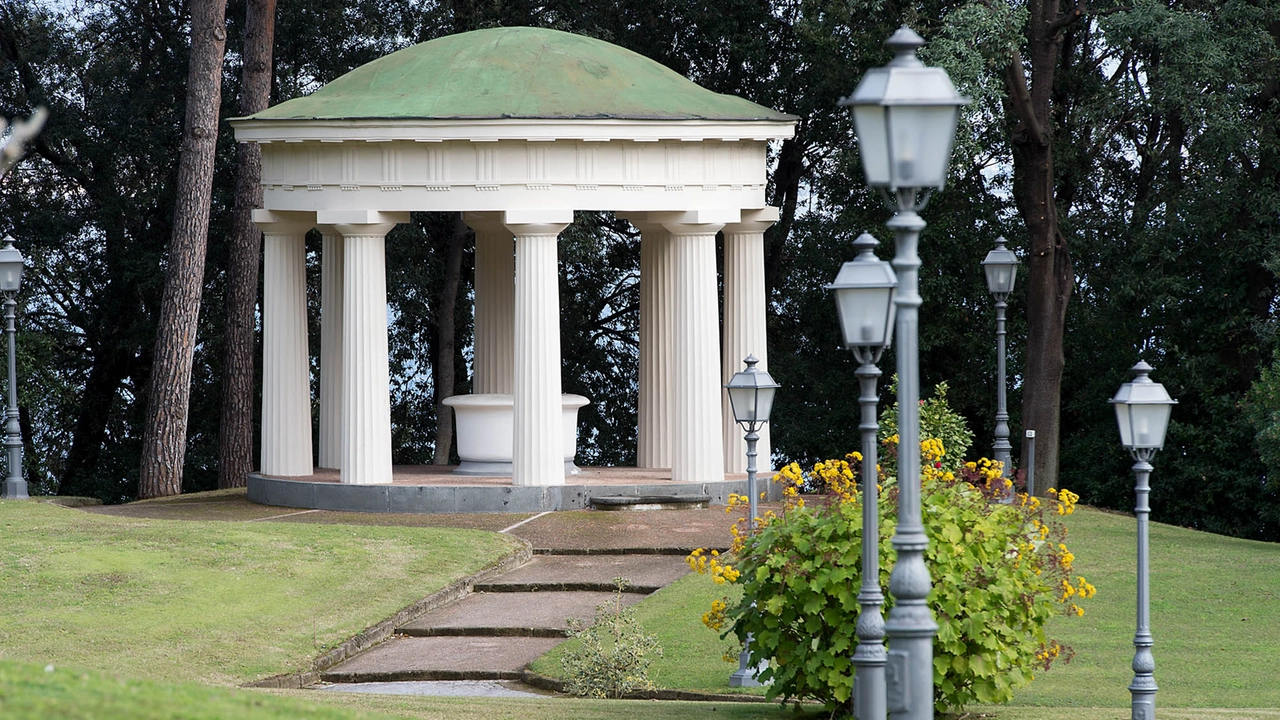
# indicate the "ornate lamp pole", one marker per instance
pixel 11 265
pixel 751 394
pixel 1001 268
pixel 905 115
pixel 864 291
pixel 1143 408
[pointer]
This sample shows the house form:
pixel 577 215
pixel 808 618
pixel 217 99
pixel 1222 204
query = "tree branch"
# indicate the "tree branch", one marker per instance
pixel 1015 79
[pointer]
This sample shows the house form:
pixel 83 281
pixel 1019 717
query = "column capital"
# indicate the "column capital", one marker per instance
pixel 537 222
pixel 695 222
pixel 361 222
pixel 486 221
pixel 278 222
pixel 753 221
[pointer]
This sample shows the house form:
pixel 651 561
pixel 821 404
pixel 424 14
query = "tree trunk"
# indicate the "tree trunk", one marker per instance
pixel 235 451
pixel 1028 112
pixel 164 438
pixel 442 368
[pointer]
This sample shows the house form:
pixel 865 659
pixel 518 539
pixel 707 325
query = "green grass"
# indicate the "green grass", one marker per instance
pixel 213 602
pixel 1215 616
pixel 32 692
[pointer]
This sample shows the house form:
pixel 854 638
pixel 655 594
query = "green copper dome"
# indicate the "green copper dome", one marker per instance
pixel 517 72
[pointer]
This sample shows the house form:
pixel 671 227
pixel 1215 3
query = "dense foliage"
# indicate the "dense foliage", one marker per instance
pixel 1166 142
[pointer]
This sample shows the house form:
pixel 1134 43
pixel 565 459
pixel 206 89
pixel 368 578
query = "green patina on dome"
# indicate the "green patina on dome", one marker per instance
pixel 516 72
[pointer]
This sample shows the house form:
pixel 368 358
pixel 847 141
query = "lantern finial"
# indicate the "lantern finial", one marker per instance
pixel 904 44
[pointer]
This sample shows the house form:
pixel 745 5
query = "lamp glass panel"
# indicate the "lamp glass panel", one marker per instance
pixel 10 276
pixel 865 315
pixel 743 401
pixel 1000 278
pixel 1150 421
pixel 920 139
pixel 1126 428
pixel 764 402
pixel 869 121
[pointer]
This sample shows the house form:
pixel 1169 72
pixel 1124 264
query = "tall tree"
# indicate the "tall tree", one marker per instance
pixel 1030 100
pixel 169 389
pixel 236 428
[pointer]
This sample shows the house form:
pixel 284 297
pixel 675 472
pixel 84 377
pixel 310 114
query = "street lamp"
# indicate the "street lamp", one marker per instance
pixel 11 266
pixel 1001 268
pixel 1142 412
pixel 751 394
pixel 864 291
pixel 905 116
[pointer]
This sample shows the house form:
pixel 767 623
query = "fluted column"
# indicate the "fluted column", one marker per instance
pixel 366 388
pixel 493 362
pixel 744 325
pixel 697 449
pixel 286 388
pixel 654 434
pixel 331 289
pixel 538 453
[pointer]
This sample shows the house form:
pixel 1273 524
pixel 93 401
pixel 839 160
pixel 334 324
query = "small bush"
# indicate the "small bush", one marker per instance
pixel 614 653
pixel 1000 572
pixel 937 422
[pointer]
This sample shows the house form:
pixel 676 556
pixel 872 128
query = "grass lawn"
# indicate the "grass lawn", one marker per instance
pixel 212 602
pixel 1215 616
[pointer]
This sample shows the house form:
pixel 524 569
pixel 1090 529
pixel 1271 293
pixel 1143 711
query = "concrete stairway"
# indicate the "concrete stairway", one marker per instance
pixel 509 620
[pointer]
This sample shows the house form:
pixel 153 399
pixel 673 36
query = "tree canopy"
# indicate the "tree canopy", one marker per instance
pixel 1159 123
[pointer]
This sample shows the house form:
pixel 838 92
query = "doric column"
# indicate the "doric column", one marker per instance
pixel 653 436
pixel 744 325
pixel 331 282
pixel 366 388
pixel 538 453
pixel 697 450
pixel 493 364
pixel 286 388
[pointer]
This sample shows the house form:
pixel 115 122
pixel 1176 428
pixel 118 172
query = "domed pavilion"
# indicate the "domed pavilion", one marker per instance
pixel 516 128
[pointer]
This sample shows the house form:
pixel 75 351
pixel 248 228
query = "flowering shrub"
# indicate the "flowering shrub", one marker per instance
pixel 614 653
pixel 1000 572
pixel 937 422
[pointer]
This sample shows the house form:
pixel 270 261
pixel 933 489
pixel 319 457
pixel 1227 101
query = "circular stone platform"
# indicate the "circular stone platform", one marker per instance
pixel 434 489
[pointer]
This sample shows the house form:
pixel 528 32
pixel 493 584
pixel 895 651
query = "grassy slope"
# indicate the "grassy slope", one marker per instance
pixel 1215 616
pixel 209 601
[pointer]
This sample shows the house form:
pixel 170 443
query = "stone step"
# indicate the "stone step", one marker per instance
pixel 442 658
pixel 644 573
pixel 512 614
pixel 650 502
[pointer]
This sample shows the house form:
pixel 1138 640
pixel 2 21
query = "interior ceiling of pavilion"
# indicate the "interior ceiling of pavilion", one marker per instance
pixel 516 73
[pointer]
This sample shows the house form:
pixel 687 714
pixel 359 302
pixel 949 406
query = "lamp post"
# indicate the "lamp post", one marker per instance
pixel 905 115
pixel 864 291
pixel 1142 412
pixel 11 265
pixel 751 394
pixel 1001 269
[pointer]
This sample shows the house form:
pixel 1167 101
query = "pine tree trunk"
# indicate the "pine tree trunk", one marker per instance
pixel 164 438
pixel 235 451
pixel 443 378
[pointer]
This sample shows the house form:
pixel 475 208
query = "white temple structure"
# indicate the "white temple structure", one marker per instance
pixel 516 128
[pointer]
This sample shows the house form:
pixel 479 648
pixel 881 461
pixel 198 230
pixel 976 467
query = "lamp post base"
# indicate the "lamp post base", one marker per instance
pixel 15 490
pixel 745 675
